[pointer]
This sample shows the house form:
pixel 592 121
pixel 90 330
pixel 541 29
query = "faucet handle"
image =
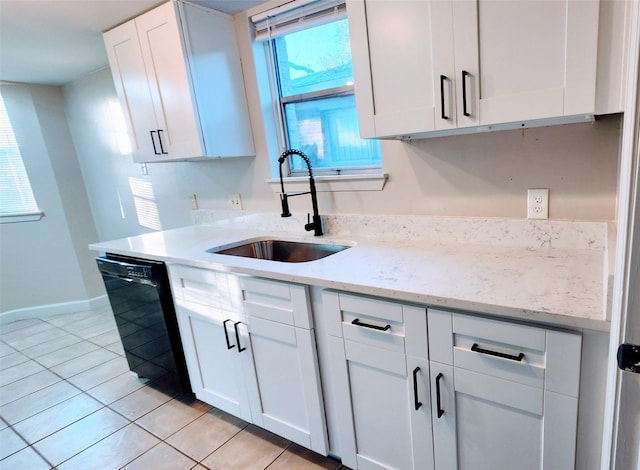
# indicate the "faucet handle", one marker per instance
pixel 309 225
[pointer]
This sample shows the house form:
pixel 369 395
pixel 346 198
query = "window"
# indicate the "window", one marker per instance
pixel 16 197
pixel 311 59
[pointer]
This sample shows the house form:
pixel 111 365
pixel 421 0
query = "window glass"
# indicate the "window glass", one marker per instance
pixel 314 59
pixel 16 196
pixel 315 81
pixel 326 130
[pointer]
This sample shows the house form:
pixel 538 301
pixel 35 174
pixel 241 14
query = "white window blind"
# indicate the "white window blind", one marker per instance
pixel 16 196
pixel 296 15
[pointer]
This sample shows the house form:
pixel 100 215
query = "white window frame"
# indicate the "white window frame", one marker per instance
pixel 28 212
pixel 287 18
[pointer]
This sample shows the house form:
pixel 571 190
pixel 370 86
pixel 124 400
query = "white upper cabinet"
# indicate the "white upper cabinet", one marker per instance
pixel 526 60
pixel 391 44
pixel 177 72
pixel 422 66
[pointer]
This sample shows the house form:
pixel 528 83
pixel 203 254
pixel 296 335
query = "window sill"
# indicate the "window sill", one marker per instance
pixel 334 183
pixel 21 217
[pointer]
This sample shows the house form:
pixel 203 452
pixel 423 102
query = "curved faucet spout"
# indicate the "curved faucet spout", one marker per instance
pixel 316 224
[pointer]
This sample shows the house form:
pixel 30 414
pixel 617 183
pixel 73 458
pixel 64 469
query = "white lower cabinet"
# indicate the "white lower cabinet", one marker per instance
pixel 289 399
pixel 504 395
pixel 250 351
pixel 480 394
pixel 466 393
pixel 214 337
pixel 381 372
pixel 215 356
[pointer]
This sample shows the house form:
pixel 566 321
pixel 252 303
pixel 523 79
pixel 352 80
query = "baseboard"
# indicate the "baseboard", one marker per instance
pixel 90 305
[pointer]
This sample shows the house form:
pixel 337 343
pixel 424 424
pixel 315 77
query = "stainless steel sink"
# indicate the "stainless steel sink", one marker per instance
pixel 280 250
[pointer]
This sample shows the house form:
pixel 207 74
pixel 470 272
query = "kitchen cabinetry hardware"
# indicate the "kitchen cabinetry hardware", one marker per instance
pixel 235 327
pixel 226 334
pixel 416 401
pixel 438 402
pixel 443 115
pixel 369 325
pixel 153 142
pixel 465 74
pixel 478 349
pixel 162 151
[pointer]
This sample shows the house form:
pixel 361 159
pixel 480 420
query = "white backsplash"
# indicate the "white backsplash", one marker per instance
pixel 491 231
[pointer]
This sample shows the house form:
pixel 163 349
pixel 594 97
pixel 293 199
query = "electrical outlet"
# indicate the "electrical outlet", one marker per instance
pixel 236 202
pixel 538 204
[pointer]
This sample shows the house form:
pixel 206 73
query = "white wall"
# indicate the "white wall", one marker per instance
pixel 46 262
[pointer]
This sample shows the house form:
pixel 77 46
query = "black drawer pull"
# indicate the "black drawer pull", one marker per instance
pixel 226 335
pixel 368 325
pixel 478 349
pixel 235 327
pixel 438 404
pixel 416 402
pixel 443 115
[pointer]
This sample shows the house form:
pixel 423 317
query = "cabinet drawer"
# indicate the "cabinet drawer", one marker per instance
pixel 376 322
pixel 370 321
pixel 530 355
pixel 277 301
pixel 206 287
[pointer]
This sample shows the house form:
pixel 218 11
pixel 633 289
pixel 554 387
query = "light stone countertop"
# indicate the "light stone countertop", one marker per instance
pixel 565 285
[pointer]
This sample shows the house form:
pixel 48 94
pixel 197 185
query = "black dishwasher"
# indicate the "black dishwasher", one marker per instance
pixel 140 297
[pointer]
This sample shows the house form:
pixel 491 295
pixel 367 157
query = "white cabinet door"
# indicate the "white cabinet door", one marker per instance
pixel 389 408
pixel 166 66
pixel 391 44
pixel 525 60
pixel 216 348
pixel 129 76
pixel 485 423
pixel 289 400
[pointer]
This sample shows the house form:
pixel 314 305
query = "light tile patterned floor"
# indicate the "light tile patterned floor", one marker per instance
pixel 68 401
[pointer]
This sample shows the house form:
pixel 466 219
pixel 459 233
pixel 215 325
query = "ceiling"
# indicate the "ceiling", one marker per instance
pixel 53 42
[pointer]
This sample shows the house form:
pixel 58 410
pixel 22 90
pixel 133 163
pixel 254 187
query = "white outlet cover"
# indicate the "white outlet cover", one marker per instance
pixel 235 202
pixel 538 204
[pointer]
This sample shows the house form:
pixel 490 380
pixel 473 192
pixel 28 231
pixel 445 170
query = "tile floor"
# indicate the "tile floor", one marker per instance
pixel 68 401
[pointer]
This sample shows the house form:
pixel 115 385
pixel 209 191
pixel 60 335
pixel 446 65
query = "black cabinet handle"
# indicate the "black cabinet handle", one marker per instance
pixel 465 74
pixel 160 140
pixel 416 402
pixel 478 349
pixel 153 142
pixel 438 404
pixel 235 327
pixel 369 325
pixel 443 115
pixel 226 335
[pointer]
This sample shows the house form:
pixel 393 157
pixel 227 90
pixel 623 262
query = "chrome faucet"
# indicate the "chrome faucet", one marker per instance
pixel 316 223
